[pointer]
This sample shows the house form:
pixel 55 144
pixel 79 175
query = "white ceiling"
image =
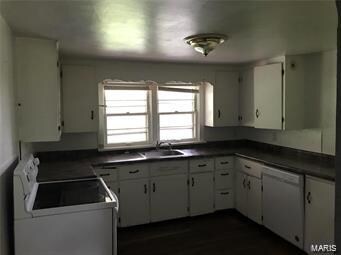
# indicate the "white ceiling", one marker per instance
pixel 154 29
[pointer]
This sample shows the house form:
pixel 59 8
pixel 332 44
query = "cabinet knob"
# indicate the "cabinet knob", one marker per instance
pixel 257 113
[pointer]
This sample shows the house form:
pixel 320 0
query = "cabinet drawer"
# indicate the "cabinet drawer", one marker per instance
pixel 169 167
pixel 224 199
pixel 108 175
pixel 133 171
pixel 223 179
pixel 250 167
pixel 201 165
pixel 225 162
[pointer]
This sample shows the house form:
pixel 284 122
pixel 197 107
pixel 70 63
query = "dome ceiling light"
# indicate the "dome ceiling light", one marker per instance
pixel 205 43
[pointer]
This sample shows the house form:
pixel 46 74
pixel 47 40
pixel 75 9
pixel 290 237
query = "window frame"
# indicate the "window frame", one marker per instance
pixel 152 115
pixel 196 113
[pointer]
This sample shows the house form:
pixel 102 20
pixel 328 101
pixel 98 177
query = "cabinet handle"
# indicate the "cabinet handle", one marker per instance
pixel 249 185
pixel 225 174
pixel 104 175
pixel 92 115
pixel 248 167
pixel 154 187
pixel 192 181
pixel 224 163
pixel 257 113
pixel 145 189
pixel 244 185
pixel 202 165
pixel 59 128
pixel 134 172
pixel 109 167
pixel 224 193
pixel 219 114
pixel 309 197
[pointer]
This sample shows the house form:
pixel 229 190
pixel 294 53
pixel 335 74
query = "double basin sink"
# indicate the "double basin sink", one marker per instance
pixel 152 154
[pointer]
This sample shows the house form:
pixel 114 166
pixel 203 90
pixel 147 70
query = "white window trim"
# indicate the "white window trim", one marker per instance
pixel 153 124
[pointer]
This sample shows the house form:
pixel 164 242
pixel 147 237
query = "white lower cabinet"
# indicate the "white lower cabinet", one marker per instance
pixel 169 197
pixel 134 202
pixel 249 196
pixel 201 193
pixel 319 212
pixel 254 199
pixel 241 193
pixel 223 199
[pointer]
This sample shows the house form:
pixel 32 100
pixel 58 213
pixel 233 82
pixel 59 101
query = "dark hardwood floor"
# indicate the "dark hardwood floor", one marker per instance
pixel 225 232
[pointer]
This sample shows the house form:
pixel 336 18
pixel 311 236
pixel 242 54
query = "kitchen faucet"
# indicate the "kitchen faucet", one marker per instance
pixel 159 143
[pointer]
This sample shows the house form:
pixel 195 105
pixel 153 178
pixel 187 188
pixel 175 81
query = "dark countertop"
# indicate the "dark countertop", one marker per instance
pixel 79 165
pixel 65 170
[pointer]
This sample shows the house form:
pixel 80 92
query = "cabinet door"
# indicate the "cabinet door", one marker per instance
pixel 38 90
pixel 201 193
pixel 246 99
pixel 169 197
pixel 241 192
pixel 79 99
pixel 319 213
pixel 134 202
pixel 226 99
pixel 254 199
pixel 268 96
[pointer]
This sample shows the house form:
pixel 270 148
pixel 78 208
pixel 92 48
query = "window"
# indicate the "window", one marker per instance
pixel 127 117
pixel 178 113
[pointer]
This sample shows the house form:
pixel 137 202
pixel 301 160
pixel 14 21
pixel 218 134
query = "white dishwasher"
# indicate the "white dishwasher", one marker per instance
pixel 283 204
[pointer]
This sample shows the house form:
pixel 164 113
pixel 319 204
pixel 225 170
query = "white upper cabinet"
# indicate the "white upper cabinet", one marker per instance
pixel 80 112
pixel 38 89
pixel 268 96
pixel 246 98
pixel 282 92
pixel 221 100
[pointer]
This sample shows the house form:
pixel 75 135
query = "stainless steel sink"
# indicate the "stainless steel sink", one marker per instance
pixel 162 153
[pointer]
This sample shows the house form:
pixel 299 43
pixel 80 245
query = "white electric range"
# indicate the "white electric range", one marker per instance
pixel 74 217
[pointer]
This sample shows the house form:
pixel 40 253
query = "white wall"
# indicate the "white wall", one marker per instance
pixel 321 93
pixel 135 70
pixel 8 144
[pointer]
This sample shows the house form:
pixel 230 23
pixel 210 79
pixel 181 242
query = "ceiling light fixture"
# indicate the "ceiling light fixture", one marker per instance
pixel 205 43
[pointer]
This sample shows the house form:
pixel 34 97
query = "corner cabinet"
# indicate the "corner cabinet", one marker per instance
pixel 221 100
pixel 319 212
pixel 246 98
pixel 38 89
pixel 280 87
pixel 79 112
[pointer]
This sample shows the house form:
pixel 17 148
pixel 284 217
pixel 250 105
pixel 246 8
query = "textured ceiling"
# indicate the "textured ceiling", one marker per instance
pixel 154 30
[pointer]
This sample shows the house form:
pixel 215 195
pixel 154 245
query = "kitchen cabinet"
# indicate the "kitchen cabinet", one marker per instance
pixel 38 89
pixel 241 193
pixel 201 193
pixel 169 197
pixel 224 184
pixel 319 212
pixel 134 202
pixel 221 100
pixel 268 96
pixel 246 98
pixel 279 89
pixel 248 189
pixel 79 99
